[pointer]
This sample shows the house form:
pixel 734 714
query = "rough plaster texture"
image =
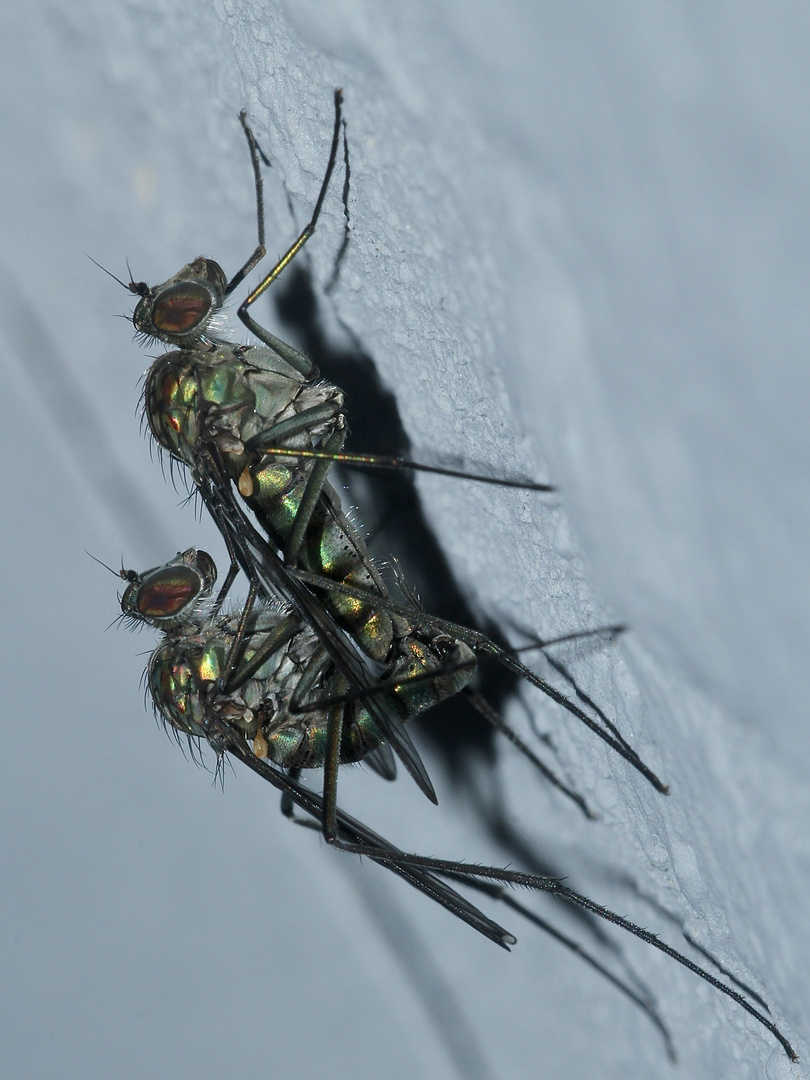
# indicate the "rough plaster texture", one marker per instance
pixel 579 250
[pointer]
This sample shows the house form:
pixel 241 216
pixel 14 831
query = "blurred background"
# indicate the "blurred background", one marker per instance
pixel 579 251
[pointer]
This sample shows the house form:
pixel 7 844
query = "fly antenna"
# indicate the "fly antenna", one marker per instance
pixel 120 282
pixel 139 287
pixel 125 575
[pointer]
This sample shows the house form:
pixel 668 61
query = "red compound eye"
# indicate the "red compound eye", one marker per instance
pixel 166 592
pixel 180 308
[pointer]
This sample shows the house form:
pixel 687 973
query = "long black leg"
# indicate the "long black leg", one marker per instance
pixel 261 251
pixel 347 173
pixel 306 233
pixel 375 846
pixel 502 895
pixel 537 882
pixel 561 669
pixel 381 461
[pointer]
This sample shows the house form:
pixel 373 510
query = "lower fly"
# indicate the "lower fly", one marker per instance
pixel 268 700
pixel 272 655
pixel 282 686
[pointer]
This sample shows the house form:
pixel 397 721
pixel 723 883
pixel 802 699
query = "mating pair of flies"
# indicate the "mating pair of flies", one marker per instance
pixel 322 666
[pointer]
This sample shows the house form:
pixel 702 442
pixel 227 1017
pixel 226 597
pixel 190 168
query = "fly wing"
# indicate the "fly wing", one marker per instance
pixel 381 759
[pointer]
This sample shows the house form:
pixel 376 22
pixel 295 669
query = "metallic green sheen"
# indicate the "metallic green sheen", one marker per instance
pixel 242 393
pixel 192 657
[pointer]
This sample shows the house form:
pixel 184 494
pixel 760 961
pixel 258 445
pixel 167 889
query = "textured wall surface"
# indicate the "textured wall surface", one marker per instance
pixel 579 251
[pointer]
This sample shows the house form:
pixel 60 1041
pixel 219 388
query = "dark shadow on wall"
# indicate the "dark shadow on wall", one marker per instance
pixel 399 525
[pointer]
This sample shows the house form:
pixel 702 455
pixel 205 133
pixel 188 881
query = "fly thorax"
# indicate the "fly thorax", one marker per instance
pixel 274 395
pixel 267 362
